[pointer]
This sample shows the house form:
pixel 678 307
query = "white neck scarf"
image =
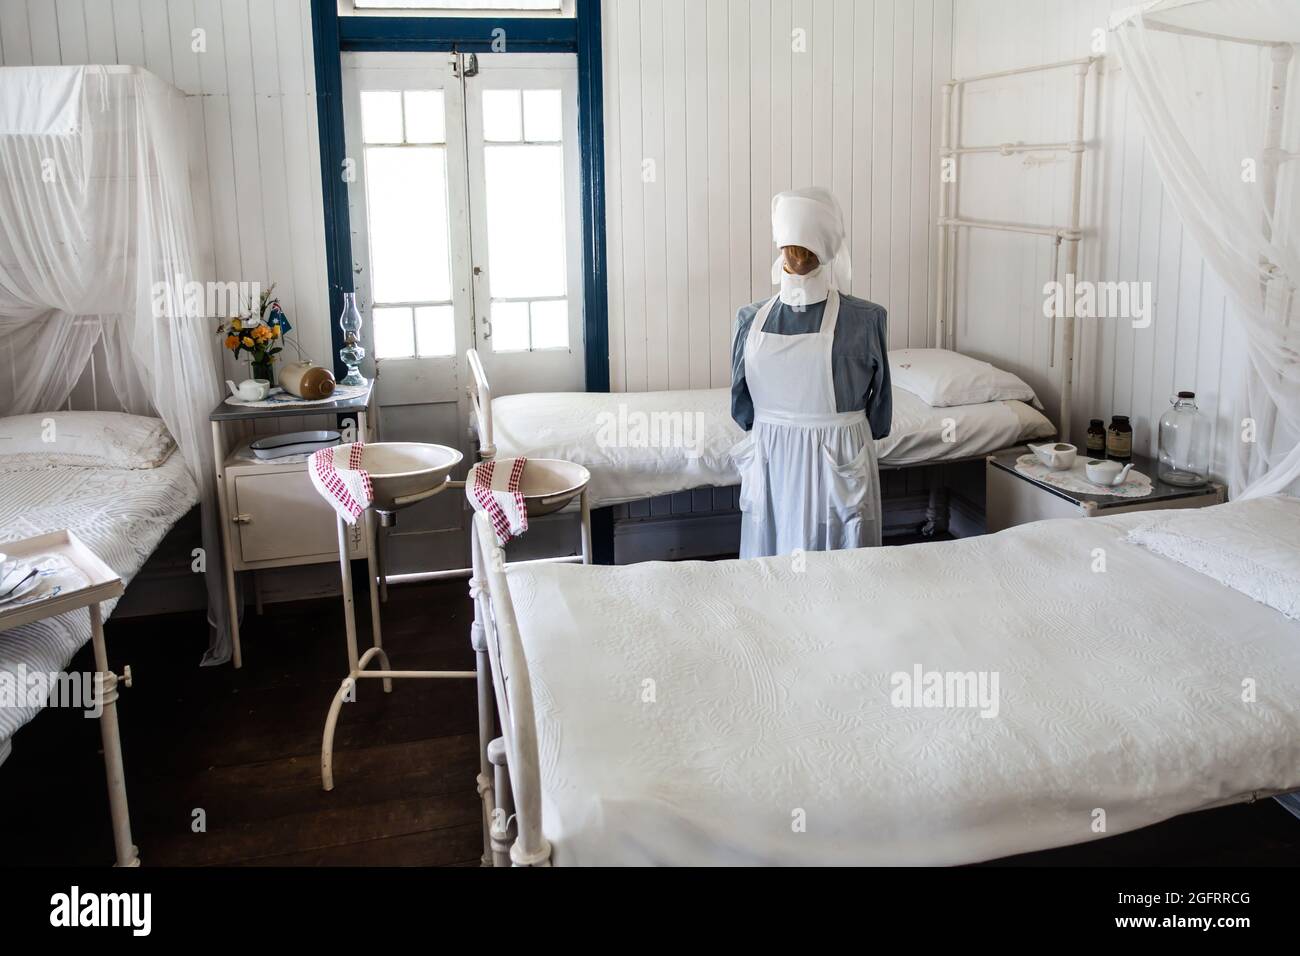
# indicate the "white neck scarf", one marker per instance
pixel 803 291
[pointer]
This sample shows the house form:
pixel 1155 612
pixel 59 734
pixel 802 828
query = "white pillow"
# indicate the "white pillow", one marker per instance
pixel 85 439
pixel 1251 546
pixel 941 378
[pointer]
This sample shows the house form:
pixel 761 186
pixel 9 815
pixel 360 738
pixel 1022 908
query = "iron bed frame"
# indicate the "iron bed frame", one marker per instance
pixel 937 507
pixel 512 791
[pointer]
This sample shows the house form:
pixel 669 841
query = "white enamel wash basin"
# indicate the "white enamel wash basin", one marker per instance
pixel 548 484
pixel 402 472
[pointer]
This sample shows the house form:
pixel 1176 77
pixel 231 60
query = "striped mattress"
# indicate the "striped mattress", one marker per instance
pixel 120 514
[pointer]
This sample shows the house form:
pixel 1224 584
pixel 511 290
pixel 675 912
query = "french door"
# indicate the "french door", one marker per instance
pixel 466 231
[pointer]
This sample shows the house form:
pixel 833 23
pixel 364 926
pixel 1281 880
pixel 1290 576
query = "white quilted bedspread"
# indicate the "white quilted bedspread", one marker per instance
pixel 120 514
pixel 696 712
pixel 568 425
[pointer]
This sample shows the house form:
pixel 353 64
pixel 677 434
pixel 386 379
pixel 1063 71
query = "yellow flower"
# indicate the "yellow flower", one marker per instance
pixel 232 342
pixel 248 342
pixel 275 332
pixel 236 324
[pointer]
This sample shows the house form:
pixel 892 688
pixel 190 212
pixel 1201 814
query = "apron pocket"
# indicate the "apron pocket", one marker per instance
pixel 847 484
pixel 748 460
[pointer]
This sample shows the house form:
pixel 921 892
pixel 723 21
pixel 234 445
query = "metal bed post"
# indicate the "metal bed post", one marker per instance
pixel 486 715
pixel 513 756
pixel 945 184
pixel 1072 250
pixel 500 829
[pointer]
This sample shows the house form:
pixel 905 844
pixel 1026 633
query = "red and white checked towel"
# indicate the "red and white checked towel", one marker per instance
pixel 495 491
pixel 337 474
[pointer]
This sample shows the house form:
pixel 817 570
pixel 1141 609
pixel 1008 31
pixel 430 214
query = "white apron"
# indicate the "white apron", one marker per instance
pixel 808 476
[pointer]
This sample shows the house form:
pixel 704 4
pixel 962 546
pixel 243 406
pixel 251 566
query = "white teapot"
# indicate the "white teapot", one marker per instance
pixel 1058 457
pixel 250 389
pixel 1108 473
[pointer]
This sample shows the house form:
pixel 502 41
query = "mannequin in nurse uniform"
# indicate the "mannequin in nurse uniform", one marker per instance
pixel 810 381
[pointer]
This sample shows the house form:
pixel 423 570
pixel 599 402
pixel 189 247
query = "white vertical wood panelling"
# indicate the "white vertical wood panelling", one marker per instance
pixel 254 155
pixel 1132 233
pixel 740 149
pixel 730 101
pixel 677 359
pixel 718 104
pixel 697 198
pixel 15 33
pixel 630 189
pixel 652 143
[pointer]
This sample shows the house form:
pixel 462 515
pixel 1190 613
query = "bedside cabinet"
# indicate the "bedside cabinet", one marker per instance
pixel 277 518
pixel 271 515
pixel 1014 499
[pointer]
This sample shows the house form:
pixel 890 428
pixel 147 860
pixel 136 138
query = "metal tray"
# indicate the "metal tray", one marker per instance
pixel 293 443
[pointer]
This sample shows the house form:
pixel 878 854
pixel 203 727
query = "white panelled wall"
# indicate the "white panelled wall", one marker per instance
pixel 711 107
pixel 1132 233
pixel 254 150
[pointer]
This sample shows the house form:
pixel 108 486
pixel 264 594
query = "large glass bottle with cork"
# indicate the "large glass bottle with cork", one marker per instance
pixel 1184 443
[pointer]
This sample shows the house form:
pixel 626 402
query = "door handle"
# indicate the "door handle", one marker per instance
pixel 487 328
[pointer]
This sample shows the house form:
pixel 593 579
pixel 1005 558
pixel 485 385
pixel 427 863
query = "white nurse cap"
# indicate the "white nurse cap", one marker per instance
pixel 811 218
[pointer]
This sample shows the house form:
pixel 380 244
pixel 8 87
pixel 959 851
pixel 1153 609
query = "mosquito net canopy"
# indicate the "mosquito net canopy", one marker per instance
pixel 1215 82
pixel 97 251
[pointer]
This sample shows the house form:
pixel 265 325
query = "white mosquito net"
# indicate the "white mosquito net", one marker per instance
pixel 1215 82
pixel 97 245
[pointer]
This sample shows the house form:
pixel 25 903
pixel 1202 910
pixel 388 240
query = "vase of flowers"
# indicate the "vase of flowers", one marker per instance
pixel 259 333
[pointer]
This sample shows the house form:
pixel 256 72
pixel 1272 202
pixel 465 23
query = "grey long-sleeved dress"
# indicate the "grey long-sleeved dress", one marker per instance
pixel 859 357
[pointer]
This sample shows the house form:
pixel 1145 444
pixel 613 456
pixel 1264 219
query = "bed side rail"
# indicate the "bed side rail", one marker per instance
pixel 495 612
pixel 480 399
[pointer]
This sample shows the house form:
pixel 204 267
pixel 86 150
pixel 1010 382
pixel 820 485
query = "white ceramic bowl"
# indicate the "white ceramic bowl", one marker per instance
pixel 402 469
pixel 548 484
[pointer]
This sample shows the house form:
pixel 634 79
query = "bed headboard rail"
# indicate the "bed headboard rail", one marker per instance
pixel 480 399
pixel 952 148
pixel 495 611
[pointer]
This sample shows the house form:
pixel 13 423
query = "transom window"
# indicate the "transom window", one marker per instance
pixel 486 5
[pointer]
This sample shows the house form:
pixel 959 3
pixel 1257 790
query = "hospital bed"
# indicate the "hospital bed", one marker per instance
pixel 641 445
pixel 121 514
pixel 771 711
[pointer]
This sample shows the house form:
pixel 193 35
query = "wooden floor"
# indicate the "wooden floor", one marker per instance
pixel 243 748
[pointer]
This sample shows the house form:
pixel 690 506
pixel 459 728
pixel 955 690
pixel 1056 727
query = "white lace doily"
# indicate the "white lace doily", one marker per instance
pixel 1136 485
pixel 279 398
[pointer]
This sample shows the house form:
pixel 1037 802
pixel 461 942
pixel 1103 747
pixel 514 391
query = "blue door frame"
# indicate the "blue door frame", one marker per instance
pixel 333 35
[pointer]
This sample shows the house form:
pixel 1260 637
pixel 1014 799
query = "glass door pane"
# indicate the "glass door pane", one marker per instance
pixel 404 122
pixel 407 220
pixel 521 118
pixel 409 209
